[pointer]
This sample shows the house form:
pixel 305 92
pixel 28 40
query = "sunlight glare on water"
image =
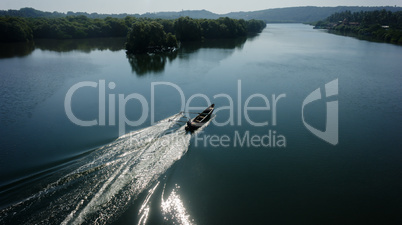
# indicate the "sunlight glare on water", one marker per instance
pixel 173 208
pixel 101 188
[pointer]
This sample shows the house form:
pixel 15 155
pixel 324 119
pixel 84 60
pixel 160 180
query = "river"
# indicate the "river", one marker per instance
pixel 307 129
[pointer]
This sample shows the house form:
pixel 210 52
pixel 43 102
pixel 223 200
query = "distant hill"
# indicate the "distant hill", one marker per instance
pixel 302 14
pixel 292 14
pixel 196 14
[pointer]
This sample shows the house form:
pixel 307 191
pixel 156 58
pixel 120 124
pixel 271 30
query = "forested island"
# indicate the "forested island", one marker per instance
pixel 154 35
pixel 143 34
pixel 384 26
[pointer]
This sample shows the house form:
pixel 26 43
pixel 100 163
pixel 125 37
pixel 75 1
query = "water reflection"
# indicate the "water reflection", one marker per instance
pixel 82 45
pixel 29 81
pixel 253 37
pixel 143 64
pixel 41 77
pixel 217 44
pixel 9 50
pixel 173 209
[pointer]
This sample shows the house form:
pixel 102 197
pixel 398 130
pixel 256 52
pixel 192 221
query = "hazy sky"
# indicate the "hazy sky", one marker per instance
pixel 143 6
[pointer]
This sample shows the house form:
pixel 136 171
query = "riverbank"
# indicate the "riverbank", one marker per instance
pixel 379 26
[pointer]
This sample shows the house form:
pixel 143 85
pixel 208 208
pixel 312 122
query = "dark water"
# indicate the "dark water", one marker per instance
pixel 55 171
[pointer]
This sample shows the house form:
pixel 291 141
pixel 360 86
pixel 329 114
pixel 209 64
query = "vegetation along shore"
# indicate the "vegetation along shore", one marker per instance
pixel 143 34
pixel 383 26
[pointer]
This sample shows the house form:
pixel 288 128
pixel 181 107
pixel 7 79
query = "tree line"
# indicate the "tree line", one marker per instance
pixel 142 33
pixel 164 35
pixel 25 29
pixel 379 25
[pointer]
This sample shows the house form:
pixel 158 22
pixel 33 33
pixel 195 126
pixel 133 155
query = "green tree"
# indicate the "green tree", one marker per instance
pixel 255 26
pixel 118 27
pixel 188 29
pixel 14 29
pixel 147 36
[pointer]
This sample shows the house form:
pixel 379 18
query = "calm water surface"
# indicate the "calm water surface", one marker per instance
pixel 54 171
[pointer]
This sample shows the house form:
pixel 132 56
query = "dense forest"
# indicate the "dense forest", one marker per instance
pixel 143 34
pixel 25 29
pixel 385 26
pixel 13 29
pixel 163 35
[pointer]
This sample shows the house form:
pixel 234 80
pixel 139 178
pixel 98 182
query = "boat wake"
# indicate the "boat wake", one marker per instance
pixel 102 186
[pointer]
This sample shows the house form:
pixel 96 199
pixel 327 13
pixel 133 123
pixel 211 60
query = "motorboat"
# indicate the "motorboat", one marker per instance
pixel 200 119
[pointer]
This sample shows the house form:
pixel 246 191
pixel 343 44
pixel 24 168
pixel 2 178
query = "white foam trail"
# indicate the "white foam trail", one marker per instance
pixel 155 153
pixel 145 208
pixel 108 179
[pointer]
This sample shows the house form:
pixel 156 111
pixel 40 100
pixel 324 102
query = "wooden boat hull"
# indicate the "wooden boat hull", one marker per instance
pixel 201 119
